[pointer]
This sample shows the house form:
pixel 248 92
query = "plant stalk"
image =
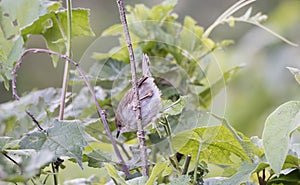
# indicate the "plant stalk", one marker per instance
pixel 136 99
pixel 68 53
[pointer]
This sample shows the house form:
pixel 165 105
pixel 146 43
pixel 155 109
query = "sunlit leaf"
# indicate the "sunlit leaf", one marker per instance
pixel 276 135
pixel 113 173
pixel 15 15
pixel 295 72
pixel 83 181
pixel 156 171
pixel 242 175
pixel 53 26
pixel 181 180
pixel 218 144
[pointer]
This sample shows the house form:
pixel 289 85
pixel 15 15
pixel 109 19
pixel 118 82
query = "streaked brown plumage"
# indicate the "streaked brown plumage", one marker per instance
pixel 126 120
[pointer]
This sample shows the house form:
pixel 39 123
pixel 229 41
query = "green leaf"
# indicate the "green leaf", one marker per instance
pixel 33 165
pixel 190 35
pixel 141 180
pixel 219 145
pixel 66 138
pixel 157 170
pixel 276 135
pixel 15 15
pixel 107 69
pixel 113 173
pixel 83 181
pixel 40 103
pixel 53 26
pixel 174 108
pixel 181 180
pixel 207 95
pixel 242 175
pixel 116 29
pixel 96 158
pixel 291 178
pixel 295 72
pixel 4 141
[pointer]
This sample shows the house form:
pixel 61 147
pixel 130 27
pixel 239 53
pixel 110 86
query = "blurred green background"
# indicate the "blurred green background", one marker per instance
pixel 258 89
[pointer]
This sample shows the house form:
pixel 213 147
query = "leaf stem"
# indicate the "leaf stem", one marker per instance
pixel 140 133
pixel 100 111
pixel 197 161
pixel 68 53
pixel 222 18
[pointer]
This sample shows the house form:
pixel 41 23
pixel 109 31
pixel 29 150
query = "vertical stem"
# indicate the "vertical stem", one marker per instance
pixel 197 161
pixel 68 53
pixel 140 133
pixel 66 74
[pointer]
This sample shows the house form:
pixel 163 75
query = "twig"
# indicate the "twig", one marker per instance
pixel 140 133
pixel 12 160
pixel 34 120
pixel 100 111
pixel 54 173
pixel 186 164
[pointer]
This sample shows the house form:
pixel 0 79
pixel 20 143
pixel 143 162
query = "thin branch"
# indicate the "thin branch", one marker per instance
pixel 100 111
pixel 12 160
pixel 186 164
pixel 140 133
pixel 54 174
pixel 34 120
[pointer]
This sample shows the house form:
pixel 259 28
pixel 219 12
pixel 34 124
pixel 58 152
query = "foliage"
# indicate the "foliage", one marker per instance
pixel 181 60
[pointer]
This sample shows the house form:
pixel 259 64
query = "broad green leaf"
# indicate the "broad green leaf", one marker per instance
pixel 242 175
pixel 180 180
pixel 66 138
pixel 190 35
pixel 295 72
pixel 174 108
pixel 53 26
pixel 219 145
pixel 96 158
pixel 40 103
pixel 206 96
pixel 33 165
pixel 15 15
pixel 18 14
pixel 276 135
pixel 140 180
pixel 107 69
pixel 82 105
pixel 4 141
pixel 116 29
pixel 113 173
pixel 156 171
pixel 291 178
pixel 83 181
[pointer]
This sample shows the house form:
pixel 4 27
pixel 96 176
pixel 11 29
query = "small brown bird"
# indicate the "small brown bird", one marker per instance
pixel 150 99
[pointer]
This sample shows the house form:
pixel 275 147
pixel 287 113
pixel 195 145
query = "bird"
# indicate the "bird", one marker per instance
pixel 150 102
